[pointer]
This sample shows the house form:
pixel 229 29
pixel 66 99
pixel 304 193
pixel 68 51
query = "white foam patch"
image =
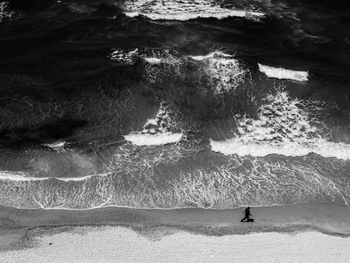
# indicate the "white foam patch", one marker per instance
pixel 281 73
pixel 182 10
pixel 125 57
pixel 225 73
pixel 21 177
pixel 282 127
pixel 160 57
pixel 156 131
pixel 5 12
pixel 58 146
pixel 322 147
pixel 138 138
pixel 154 57
pixel 211 55
pixel 18 176
pixel 153 60
pixel 222 72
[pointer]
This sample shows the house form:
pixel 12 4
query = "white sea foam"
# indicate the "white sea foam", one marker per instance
pixel 153 60
pixel 153 122
pixel 224 72
pixel 129 57
pixel 18 176
pixel 182 10
pixel 282 127
pixel 5 12
pixel 138 138
pixel 321 147
pixel 125 57
pixel 81 178
pixel 58 146
pixel 161 57
pixel 22 177
pixel 156 131
pixel 221 71
pixel 281 73
pixel 227 184
pixel 212 55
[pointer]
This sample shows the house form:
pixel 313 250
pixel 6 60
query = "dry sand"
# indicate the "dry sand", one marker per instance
pixel 117 244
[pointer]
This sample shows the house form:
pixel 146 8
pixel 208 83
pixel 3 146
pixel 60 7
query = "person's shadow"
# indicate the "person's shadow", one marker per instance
pixel 247 215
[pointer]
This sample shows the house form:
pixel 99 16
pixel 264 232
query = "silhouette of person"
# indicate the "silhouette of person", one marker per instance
pixel 247 215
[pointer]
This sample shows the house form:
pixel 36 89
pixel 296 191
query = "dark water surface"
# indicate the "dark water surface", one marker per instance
pixel 207 126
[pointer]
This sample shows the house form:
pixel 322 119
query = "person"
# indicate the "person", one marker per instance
pixel 247 215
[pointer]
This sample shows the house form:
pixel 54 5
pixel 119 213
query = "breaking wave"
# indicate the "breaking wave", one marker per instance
pixel 129 57
pixel 182 10
pixel 216 71
pixel 225 73
pixel 156 131
pixel 142 179
pixel 138 138
pixel 211 55
pixel 22 177
pixel 281 73
pixel 282 127
pixel 282 155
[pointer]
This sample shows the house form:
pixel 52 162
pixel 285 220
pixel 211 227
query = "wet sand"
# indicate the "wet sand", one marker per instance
pixel 296 233
pixel 331 219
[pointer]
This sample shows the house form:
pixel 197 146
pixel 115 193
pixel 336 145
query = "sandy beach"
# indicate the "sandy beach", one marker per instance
pixel 117 244
pixel 297 233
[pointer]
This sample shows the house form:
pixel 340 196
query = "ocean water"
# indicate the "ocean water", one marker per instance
pixel 169 104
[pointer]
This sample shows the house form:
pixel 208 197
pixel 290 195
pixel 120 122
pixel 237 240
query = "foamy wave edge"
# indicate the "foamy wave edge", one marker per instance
pixel 140 139
pixel 161 208
pixel 323 148
pixel 182 10
pixel 184 16
pixel 282 73
pixel 211 55
pixel 20 176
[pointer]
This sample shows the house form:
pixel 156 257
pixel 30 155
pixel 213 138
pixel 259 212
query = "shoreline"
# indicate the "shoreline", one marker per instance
pixel 326 218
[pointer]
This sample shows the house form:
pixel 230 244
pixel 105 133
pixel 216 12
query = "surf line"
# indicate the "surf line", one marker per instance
pixel 282 73
pixel 20 177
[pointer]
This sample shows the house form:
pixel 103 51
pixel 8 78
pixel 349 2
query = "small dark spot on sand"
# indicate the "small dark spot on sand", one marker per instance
pixel 50 243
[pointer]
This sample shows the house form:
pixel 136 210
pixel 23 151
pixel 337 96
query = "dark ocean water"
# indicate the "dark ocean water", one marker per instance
pixel 165 104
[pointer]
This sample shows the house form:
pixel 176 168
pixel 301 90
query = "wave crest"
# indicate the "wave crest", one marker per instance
pixel 156 131
pixel 150 183
pixel 125 57
pixel 282 73
pixel 182 10
pixel 282 127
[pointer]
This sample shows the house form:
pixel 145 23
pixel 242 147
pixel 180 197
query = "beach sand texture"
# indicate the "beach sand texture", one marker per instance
pixel 297 233
pixel 116 244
